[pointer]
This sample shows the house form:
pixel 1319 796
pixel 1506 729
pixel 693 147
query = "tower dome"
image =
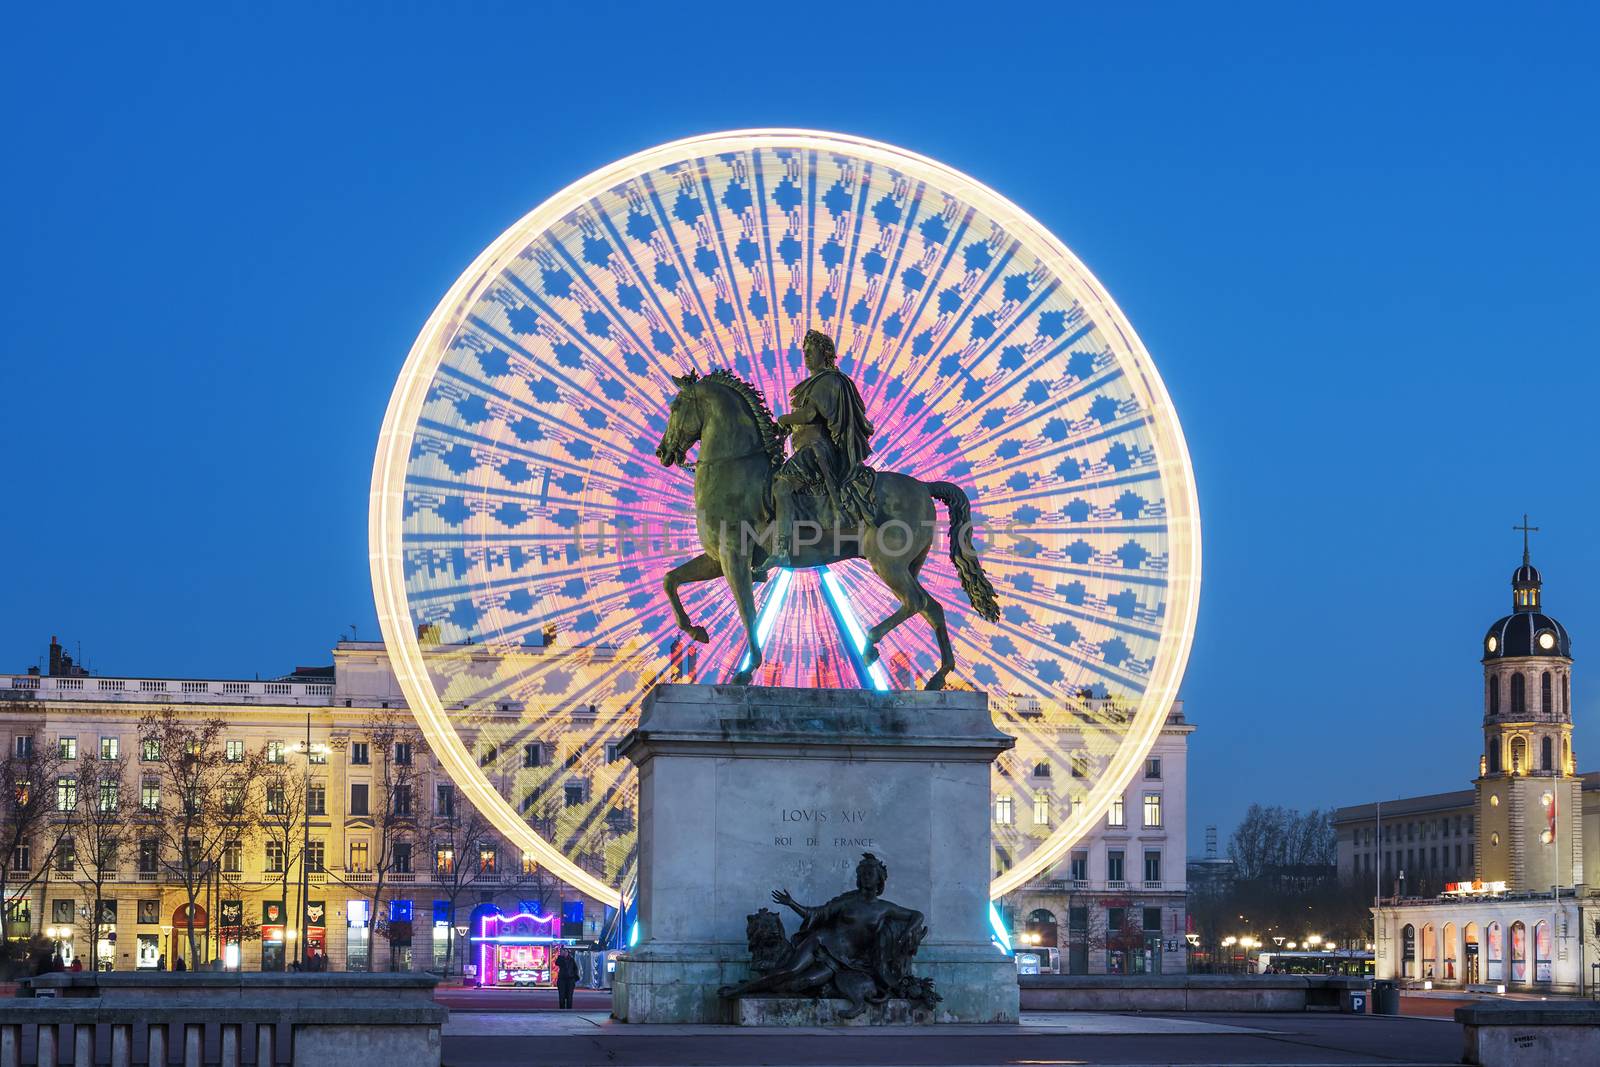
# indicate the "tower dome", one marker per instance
pixel 1527 631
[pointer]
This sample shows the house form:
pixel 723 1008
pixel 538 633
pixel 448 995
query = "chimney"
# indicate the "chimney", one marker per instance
pixel 1211 842
pixel 55 656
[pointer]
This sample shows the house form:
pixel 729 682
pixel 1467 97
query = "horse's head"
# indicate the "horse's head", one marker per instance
pixel 685 422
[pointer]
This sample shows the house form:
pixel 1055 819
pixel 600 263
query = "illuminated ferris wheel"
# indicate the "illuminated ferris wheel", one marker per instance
pixel 521 525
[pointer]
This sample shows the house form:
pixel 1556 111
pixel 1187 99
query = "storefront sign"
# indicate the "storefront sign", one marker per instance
pixel 232 915
pixel 272 922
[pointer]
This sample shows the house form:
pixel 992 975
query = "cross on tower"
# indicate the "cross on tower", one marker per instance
pixel 1526 530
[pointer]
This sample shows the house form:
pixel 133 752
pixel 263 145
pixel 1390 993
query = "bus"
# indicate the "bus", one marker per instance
pixel 1347 962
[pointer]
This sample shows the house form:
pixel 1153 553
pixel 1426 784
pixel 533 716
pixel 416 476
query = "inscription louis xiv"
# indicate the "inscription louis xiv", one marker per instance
pixel 815 818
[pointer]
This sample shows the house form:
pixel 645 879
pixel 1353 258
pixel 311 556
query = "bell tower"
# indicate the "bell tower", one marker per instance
pixel 1529 826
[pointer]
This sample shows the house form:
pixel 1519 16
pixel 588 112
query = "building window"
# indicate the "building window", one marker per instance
pixel 317 754
pixel 1116 816
pixel 1494 694
pixel 1080 767
pixel 444 859
pixel 1041 770
pixel 233 751
pixel 1544 694
pixel 358 799
pixel 1152 919
pixel 530 866
pixel 1546 755
pixel 574 794
pixel 150 749
pixel 1152 810
pixel 1152 865
pixel 402 857
pixel 22 859
pixel 24 746
pixel 359 860
pixel 1114 865
pixel 275 862
pixel 149 855
pixel 359 754
pixel 533 755
pixel 274 751
pixel 232 857
pixel 1518 699
pixel 400 799
pixel 490 755
pixel 68 747
pixel 109 747
pixel 1002 811
pixel 316 855
pixel 402 753
pixel 1080 867
pixel 1494 755
pixel 316 798
pixel 1116 919
pixel 613 751
pixel 66 856
pixel 1041 809
pixel 1152 767
pixel 66 794
pixel 277 800
pixel 488 860
pixel 444 799
pixel 110 795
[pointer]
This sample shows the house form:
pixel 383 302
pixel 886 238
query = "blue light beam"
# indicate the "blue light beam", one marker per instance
pixel 768 618
pixel 876 675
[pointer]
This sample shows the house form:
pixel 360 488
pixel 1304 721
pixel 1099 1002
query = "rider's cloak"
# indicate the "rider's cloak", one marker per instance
pixel 831 398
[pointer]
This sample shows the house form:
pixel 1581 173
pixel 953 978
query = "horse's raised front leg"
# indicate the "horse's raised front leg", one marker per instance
pixel 702 568
pixel 737 573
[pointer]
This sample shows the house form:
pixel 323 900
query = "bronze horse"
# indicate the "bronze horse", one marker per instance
pixel 740 448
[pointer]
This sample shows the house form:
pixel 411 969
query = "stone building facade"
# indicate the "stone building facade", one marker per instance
pixel 1117 904
pixel 1497 886
pixel 318 721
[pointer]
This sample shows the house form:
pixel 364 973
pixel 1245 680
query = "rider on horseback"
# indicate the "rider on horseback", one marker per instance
pixel 830 441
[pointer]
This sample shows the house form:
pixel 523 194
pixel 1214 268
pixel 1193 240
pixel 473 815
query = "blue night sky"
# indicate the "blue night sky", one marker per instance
pixel 1361 246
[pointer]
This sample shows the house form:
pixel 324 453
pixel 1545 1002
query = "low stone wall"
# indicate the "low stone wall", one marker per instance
pixel 208 1018
pixel 143 985
pixel 1185 992
pixel 1530 1034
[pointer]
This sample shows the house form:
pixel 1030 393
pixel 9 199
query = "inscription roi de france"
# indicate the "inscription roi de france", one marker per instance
pixel 818 816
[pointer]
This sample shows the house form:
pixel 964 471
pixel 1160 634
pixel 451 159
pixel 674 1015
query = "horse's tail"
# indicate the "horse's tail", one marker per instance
pixel 973 581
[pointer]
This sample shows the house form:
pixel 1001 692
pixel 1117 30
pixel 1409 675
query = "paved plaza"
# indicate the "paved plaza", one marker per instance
pixel 580 1037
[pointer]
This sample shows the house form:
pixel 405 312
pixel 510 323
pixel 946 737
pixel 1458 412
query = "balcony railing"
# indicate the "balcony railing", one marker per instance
pixel 164 691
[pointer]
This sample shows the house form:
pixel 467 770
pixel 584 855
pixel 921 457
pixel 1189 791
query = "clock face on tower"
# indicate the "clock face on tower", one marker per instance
pixel 1547 640
pixel 1493 643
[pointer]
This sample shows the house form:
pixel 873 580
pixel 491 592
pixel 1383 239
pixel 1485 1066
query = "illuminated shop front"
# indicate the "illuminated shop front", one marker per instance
pixel 516 950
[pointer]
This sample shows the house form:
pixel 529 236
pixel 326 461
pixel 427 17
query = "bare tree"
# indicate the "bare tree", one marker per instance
pixel 468 854
pixel 284 794
pixel 396 748
pixel 212 792
pixel 27 818
pixel 97 834
pixel 1275 840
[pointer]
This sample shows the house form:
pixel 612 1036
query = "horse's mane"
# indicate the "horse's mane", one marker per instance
pixel 758 408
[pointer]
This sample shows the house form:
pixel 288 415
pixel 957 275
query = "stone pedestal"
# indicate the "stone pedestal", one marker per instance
pixel 747 789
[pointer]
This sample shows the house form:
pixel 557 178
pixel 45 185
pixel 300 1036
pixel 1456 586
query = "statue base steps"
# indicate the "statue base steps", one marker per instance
pixel 746 789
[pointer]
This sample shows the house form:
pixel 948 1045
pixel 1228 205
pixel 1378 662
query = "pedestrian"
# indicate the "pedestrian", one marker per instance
pixel 161 962
pixel 77 964
pixel 566 977
pixel 179 965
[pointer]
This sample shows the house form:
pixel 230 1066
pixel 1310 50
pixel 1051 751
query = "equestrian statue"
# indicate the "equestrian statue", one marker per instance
pixel 756 509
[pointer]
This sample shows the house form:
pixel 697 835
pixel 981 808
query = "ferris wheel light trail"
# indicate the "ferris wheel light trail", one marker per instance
pixel 769 611
pixel 841 606
pixel 989 355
